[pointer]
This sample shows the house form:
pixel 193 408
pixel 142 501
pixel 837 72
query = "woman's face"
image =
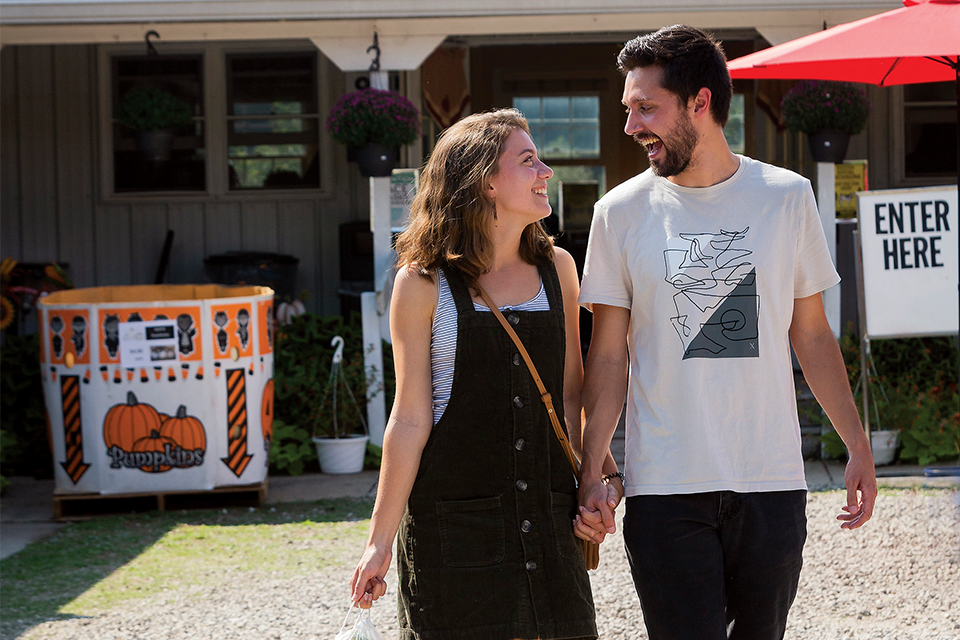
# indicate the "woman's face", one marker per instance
pixel 520 186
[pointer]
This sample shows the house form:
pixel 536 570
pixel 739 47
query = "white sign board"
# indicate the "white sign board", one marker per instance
pixel 148 344
pixel 908 239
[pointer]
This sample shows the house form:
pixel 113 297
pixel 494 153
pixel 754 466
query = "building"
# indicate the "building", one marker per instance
pixel 258 171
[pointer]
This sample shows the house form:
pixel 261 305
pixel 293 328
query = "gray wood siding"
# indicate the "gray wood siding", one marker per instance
pixel 51 207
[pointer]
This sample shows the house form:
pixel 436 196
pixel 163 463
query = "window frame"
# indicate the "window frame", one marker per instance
pixel 214 79
pixel 898 111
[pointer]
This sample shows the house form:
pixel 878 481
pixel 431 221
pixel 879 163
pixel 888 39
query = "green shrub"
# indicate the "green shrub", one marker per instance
pixel 24 447
pixel 913 389
pixel 304 399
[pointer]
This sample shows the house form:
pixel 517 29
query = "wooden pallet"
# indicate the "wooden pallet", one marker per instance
pixel 72 506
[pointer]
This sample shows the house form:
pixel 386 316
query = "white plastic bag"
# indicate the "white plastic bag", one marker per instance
pixel 362 629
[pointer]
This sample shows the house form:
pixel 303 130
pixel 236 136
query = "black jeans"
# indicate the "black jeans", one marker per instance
pixel 706 564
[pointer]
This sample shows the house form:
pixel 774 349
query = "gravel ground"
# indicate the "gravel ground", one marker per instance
pixel 898 578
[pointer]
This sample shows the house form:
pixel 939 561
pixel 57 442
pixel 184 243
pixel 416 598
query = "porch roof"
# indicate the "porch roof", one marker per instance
pixel 113 21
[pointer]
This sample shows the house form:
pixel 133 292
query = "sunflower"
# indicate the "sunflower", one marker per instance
pixel 8 312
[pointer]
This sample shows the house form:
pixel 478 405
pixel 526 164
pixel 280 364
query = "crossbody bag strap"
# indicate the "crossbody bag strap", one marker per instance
pixel 544 394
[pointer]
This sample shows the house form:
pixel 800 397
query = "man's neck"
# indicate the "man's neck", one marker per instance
pixel 712 163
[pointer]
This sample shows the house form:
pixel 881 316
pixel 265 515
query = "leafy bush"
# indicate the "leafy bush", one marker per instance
pixel 815 105
pixel 24 447
pixel 914 389
pixel 153 109
pixel 304 399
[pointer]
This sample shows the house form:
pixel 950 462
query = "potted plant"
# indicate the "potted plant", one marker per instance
pixel 153 115
pixel 374 124
pixel 309 414
pixel 829 113
pixel 340 430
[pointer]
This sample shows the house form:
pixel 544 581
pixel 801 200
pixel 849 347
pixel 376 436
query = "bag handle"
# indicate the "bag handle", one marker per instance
pixel 544 394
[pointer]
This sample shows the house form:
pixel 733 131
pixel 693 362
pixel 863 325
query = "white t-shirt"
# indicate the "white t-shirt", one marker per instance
pixel 709 276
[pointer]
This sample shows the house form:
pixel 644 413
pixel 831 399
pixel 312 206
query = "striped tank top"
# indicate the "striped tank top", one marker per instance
pixel 443 338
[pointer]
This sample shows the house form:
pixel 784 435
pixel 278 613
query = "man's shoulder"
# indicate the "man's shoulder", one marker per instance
pixel 772 176
pixel 627 191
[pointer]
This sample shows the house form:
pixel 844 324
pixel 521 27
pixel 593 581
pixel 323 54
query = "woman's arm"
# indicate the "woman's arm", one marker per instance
pixel 411 420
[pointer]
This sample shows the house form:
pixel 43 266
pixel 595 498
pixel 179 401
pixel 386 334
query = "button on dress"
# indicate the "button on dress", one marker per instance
pixel 486 549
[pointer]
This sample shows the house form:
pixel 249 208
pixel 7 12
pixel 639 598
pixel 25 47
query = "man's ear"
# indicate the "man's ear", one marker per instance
pixel 701 102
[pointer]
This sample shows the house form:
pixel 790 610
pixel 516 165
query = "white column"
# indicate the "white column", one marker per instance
pixel 373 365
pixel 827 204
pixel 374 306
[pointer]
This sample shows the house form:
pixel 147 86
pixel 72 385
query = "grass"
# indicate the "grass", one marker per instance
pixel 93 566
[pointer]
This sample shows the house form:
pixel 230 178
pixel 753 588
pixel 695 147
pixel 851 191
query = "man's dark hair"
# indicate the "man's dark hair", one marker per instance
pixel 690 59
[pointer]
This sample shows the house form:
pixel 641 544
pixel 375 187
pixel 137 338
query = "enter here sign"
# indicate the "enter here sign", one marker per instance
pixel 911 261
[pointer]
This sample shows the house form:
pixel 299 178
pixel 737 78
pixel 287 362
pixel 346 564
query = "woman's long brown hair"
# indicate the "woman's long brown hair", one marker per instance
pixel 450 218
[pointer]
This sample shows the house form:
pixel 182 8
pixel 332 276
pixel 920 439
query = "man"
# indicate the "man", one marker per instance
pixel 701 272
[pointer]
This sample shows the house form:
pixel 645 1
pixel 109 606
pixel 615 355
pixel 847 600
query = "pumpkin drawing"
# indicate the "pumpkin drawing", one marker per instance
pixel 153 443
pixel 266 410
pixel 127 423
pixel 186 431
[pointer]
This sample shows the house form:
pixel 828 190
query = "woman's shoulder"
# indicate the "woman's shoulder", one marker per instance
pixel 414 286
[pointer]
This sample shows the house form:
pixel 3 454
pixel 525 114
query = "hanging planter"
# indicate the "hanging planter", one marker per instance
pixel 829 113
pixel 374 124
pixel 376 160
pixel 341 455
pixel 339 450
pixel 155 145
pixel 829 145
pixel 884 445
pixel 154 115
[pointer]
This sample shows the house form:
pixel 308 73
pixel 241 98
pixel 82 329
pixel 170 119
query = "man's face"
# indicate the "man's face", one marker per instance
pixel 657 120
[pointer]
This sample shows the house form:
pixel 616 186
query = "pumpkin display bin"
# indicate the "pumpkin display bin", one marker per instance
pixel 153 389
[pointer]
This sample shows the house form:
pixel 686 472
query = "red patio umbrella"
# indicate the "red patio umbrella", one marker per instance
pixel 918 43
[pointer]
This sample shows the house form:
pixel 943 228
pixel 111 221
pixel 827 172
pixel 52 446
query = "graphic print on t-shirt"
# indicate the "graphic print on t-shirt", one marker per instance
pixel 716 301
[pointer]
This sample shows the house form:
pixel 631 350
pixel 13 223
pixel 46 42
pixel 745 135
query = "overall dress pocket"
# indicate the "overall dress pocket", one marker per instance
pixel 563 507
pixel 471 532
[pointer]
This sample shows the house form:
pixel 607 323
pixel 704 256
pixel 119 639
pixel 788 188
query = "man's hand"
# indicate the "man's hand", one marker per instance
pixel 596 518
pixel 861 481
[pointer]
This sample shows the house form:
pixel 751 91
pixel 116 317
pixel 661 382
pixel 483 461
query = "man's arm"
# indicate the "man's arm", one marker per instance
pixel 823 369
pixel 604 389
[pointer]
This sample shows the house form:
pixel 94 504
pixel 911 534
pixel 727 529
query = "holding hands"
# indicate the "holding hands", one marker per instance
pixel 598 501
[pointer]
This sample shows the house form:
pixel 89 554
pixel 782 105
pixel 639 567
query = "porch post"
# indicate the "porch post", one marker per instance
pixel 827 204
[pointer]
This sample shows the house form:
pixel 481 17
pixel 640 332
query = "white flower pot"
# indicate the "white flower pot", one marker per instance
pixel 884 445
pixel 341 455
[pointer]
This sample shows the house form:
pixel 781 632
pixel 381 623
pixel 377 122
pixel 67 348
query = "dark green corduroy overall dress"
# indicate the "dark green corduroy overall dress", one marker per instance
pixel 486 549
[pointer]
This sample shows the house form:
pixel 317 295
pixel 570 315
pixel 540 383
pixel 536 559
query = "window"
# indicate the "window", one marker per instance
pixel 273 122
pixel 563 126
pixel 254 127
pixel 929 130
pixel 165 160
pixel 734 131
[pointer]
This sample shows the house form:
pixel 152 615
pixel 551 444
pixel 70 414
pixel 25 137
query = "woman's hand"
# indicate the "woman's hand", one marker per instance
pixel 367 584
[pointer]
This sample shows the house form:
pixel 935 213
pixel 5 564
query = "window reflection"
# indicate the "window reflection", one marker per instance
pixel 268 149
pixel 563 126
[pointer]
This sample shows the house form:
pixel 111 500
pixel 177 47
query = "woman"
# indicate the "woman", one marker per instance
pixel 472 472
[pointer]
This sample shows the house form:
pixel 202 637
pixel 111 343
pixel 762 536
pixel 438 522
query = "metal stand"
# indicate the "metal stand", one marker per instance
pixel 332 382
pixel 865 358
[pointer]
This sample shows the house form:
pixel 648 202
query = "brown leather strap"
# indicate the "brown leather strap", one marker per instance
pixel 544 395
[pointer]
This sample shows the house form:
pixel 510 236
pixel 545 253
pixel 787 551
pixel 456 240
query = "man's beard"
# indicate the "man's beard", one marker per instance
pixel 676 155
